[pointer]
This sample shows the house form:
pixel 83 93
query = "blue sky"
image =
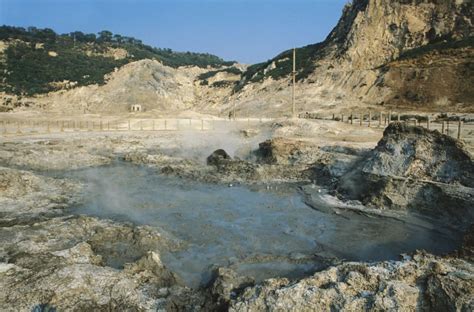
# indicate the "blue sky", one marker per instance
pixel 248 31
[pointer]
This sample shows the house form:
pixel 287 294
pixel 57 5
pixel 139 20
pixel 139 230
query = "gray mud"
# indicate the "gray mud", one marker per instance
pixel 260 231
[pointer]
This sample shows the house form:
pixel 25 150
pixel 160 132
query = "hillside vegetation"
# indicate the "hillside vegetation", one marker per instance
pixel 283 66
pixel 38 60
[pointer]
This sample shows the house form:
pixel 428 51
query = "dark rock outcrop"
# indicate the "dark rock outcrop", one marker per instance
pixel 218 157
pixel 283 151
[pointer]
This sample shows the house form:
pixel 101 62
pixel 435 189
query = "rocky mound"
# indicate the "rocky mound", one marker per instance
pixel 280 151
pixel 419 283
pixel 40 196
pixel 66 264
pixel 146 82
pixel 417 169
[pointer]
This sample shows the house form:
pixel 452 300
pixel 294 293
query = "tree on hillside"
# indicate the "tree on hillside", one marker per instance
pixel 90 37
pixel 45 35
pixel 105 36
pixel 117 38
pixel 78 36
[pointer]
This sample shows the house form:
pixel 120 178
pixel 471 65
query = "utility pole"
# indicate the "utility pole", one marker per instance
pixel 233 110
pixel 293 73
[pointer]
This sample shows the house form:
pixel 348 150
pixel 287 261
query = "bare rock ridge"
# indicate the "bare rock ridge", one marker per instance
pixel 146 82
pixel 372 33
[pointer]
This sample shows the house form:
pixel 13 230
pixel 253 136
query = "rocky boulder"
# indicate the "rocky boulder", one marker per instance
pixel 218 157
pixel 228 169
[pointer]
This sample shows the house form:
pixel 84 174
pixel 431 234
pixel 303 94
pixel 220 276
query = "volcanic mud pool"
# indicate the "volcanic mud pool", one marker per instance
pixel 258 232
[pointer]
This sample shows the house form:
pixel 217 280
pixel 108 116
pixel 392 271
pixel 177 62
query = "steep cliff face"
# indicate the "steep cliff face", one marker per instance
pixel 372 33
pixel 412 53
pixel 439 79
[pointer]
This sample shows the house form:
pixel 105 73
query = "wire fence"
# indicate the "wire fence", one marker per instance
pixel 454 126
pixel 31 126
pixel 449 125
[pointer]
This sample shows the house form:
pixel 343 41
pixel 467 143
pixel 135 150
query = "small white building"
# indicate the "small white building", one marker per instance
pixel 136 108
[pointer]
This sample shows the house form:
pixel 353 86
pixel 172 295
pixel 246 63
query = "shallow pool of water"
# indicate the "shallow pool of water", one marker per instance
pixel 260 232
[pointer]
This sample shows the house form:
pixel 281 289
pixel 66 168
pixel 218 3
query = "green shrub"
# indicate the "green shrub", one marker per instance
pixel 442 43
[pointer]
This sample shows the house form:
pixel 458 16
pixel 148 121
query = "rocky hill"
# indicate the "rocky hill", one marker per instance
pixel 35 61
pixel 401 54
pixel 381 53
pixel 146 82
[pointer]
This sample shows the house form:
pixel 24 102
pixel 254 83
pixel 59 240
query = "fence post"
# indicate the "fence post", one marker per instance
pixel 447 126
pixel 398 116
pixel 361 119
pixel 459 128
pixel 352 118
pixel 389 117
pixel 370 118
pixel 442 127
pixel 428 122
pixel 342 117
